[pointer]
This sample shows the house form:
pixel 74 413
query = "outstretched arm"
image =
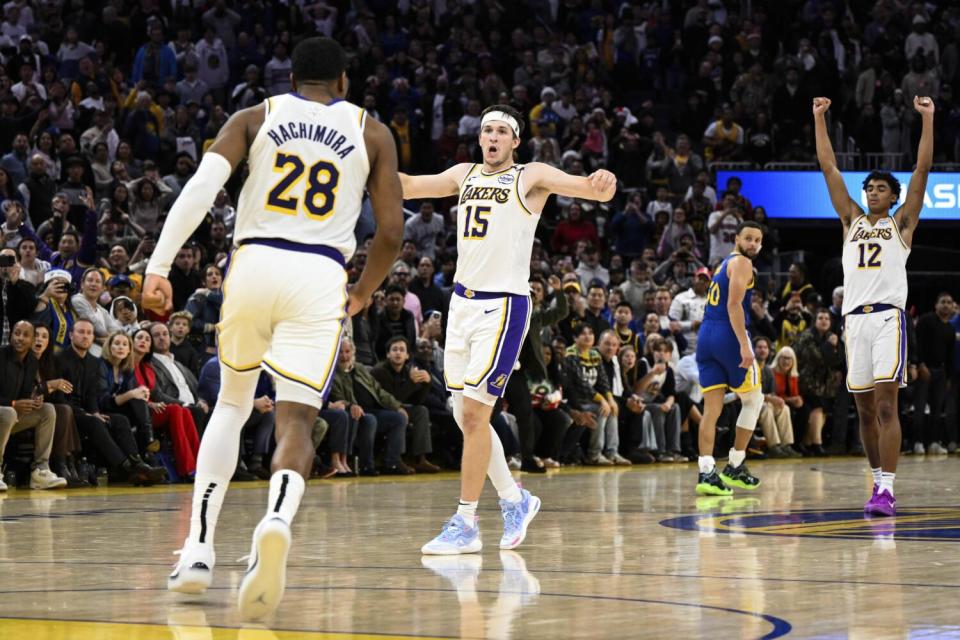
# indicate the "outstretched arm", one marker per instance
pixel 387 201
pixel 844 205
pixel 601 185
pixel 439 185
pixel 908 215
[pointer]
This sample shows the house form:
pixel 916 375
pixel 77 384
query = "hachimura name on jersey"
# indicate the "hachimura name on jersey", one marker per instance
pixel 495 232
pixel 308 171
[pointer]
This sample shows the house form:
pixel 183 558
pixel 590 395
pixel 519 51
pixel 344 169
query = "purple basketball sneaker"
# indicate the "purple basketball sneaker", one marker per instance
pixel 873 496
pixel 883 505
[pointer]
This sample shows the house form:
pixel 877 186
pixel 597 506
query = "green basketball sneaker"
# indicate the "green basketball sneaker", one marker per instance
pixel 739 477
pixel 710 484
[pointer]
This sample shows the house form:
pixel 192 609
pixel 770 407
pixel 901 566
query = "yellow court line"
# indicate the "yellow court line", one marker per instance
pixel 73 629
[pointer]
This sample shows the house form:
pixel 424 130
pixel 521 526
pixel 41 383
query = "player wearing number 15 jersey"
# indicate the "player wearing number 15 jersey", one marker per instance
pixel 497 214
pixel 310 155
pixel 876 245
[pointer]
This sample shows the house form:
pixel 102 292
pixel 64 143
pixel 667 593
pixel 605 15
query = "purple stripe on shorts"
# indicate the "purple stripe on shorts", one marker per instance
pixel 901 371
pixel 518 319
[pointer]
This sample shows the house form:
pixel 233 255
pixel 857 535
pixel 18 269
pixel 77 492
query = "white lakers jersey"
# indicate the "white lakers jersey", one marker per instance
pixel 308 170
pixel 495 231
pixel 874 265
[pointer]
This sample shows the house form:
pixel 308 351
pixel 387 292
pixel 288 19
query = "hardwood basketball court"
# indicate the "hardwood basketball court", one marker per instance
pixel 614 553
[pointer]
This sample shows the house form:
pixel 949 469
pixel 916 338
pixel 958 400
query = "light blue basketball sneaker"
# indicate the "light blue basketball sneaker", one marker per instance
pixel 456 537
pixel 516 518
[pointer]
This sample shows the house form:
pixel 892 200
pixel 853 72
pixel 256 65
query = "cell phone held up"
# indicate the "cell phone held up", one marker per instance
pixel 7 261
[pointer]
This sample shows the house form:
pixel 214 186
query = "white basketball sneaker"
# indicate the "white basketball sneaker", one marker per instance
pixel 193 573
pixel 263 584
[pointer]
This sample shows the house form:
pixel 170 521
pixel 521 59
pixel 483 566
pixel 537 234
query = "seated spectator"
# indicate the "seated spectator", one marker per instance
pixel 204 307
pixel 657 390
pixel 86 305
pixel 638 283
pixel 394 321
pixel 376 411
pixel 184 277
pixel 183 349
pixel 424 229
pixel 638 438
pixel 110 434
pixel 609 349
pixel 54 308
pixel 631 229
pixel 410 385
pixel 786 379
pixel 67 445
pixel 120 392
pixel 118 266
pixel 174 382
pixel 400 277
pixel 819 363
pixel 21 408
pixel 261 423
pixel 775 420
pixel 670 327
pixel 760 320
pixel 588 390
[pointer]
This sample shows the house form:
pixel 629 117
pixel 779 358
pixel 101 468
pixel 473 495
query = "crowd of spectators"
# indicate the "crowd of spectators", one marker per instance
pixel 105 110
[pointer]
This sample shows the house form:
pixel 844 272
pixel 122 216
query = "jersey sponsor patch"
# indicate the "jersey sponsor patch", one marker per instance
pixel 506 179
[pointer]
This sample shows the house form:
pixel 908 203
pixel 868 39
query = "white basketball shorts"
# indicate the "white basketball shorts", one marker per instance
pixel 485 332
pixel 284 306
pixel 876 343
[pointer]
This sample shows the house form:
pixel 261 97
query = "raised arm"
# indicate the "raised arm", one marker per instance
pixel 218 163
pixel 843 204
pixel 439 185
pixel 908 215
pixel 386 197
pixel 740 271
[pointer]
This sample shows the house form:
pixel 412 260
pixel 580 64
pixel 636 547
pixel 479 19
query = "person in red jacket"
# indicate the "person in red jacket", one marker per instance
pixel 574 229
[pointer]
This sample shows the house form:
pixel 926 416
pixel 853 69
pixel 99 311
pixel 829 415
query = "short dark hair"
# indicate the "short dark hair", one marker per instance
pixel 318 59
pixel 580 328
pixel 395 339
pixel 624 303
pixel 507 109
pixel 944 294
pixel 394 288
pixel 749 224
pixel 884 176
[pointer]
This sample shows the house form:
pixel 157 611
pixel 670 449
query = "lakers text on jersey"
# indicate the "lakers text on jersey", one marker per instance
pixel 718 350
pixel 490 311
pixel 875 294
pixel 285 290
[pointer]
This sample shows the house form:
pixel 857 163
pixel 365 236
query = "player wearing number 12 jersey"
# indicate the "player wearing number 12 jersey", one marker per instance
pixel 876 245
pixel 498 211
pixel 311 155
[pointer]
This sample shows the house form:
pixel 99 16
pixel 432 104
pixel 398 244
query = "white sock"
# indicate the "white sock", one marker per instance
pixel 208 494
pixel 707 464
pixel 286 489
pixel 736 458
pixel 468 511
pixel 499 472
pixel 886 482
pixel 877 473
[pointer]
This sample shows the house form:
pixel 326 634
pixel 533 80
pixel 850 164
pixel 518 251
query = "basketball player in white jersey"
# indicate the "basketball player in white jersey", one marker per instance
pixel 498 211
pixel 876 245
pixel 310 155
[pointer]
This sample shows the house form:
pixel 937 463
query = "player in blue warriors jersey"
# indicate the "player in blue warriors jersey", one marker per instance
pixel 725 361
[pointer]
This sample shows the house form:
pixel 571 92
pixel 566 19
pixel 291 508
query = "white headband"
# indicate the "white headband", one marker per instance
pixel 503 117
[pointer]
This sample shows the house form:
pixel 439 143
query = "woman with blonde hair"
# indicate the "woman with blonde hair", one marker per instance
pixel 786 381
pixel 775 419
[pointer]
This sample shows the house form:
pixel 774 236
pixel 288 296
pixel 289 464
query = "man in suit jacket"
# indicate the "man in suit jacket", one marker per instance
pixel 175 383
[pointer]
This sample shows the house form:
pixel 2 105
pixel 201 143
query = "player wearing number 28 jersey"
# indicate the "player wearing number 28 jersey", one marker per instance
pixel 497 214
pixel 310 157
pixel 876 245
